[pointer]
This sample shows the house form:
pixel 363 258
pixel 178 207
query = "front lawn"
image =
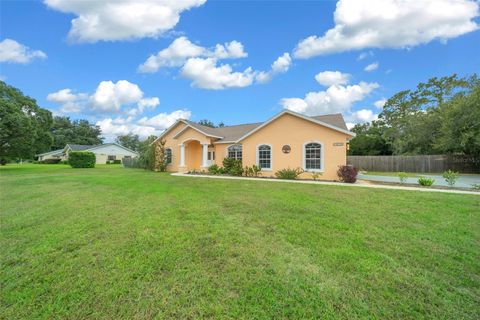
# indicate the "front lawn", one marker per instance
pixel 115 243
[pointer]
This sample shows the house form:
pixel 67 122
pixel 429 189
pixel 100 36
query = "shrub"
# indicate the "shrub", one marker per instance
pixel 476 186
pixel 64 161
pixel 450 177
pixel 51 161
pixel 253 171
pixel 403 177
pixel 214 169
pixel 290 174
pixel 233 166
pixel 81 159
pixel 316 175
pixel 3 161
pixel 347 174
pixel 426 182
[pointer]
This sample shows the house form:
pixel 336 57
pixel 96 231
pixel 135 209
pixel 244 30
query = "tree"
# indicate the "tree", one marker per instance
pixel 66 131
pixel 146 149
pixel 208 123
pixel 413 118
pixel 130 140
pixel 369 141
pixel 24 126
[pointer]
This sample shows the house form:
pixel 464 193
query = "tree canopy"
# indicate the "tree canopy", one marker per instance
pixel 66 131
pixel 24 126
pixel 131 141
pixel 440 116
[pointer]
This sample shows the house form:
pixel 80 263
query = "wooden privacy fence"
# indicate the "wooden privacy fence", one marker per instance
pixel 422 164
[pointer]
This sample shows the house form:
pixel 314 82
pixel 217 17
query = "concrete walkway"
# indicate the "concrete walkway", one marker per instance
pixel 464 181
pixel 327 183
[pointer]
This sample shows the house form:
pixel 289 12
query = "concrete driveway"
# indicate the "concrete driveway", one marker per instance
pixel 464 181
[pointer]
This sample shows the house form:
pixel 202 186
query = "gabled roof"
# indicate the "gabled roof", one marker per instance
pixel 236 133
pixel 80 147
pixel 54 152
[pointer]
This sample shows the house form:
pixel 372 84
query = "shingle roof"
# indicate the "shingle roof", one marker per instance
pixel 80 147
pixel 235 132
pixel 335 119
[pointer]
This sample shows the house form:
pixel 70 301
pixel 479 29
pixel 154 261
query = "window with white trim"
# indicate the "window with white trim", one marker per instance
pixel 264 156
pixel 168 155
pixel 313 156
pixel 235 152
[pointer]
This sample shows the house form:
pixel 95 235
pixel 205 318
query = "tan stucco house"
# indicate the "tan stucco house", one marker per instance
pixel 288 140
pixel 103 152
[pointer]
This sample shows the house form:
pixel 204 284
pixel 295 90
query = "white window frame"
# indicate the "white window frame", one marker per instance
pixel 258 156
pixel 235 144
pixel 322 158
pixel 171 157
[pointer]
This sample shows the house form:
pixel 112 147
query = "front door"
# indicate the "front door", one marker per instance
pixel 210 157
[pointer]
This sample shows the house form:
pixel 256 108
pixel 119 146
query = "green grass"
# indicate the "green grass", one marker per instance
pixel 114 243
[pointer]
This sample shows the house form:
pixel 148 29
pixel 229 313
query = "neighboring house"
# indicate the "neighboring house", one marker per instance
pixel 103 152
pixel 288 140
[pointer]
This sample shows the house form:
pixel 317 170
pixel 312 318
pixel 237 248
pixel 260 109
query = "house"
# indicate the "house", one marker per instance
pixel 288 140
pixel 103 152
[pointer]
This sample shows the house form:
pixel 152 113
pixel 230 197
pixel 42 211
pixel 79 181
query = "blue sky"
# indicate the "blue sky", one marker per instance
pixel 75 69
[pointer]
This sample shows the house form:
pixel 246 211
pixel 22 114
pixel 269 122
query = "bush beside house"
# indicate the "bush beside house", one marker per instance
pixel 81 159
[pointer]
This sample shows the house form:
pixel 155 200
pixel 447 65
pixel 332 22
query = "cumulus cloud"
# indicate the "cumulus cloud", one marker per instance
pixel 380 103
pixel 113 127
pixel 70 102
pixel 206 74
pixel 362 116
pixel 371 67
pixel 281 65
pixel 363 24
pixel 335 99
pixel 112 20
pixel 12 51
pixel 181 49
pixel 330 78
pixel 108 97
pixel 364 55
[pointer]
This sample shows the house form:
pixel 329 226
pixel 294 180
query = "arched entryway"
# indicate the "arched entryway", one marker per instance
pixel 193 155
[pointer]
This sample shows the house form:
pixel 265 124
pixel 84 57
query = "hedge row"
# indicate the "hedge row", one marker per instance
pixel 81 159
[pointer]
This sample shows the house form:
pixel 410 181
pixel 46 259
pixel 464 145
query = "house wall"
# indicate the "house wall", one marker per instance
pixel 294 131
pixel 221 152
pixel 174 145
pixel 102 153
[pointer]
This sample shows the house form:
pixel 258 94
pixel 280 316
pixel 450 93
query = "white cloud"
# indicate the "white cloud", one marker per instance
pixel 112 127
pixel 335 99
pixel 229 50
pixel 281 65
pixel 181 49
pixel 174 55
pixel 363 24
pixel 113 20
pixel 380 103
pixel 70 102
pixel 206 74
pixel 12 51
pixel 364 55
pixel 330 78
pixel 108 97
pixel 371 67
pixel 111 96
pixel 362 116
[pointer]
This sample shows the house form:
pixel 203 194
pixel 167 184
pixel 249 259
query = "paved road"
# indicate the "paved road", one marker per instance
pixel 464 181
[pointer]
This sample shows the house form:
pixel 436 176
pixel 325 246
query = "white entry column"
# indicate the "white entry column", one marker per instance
pixel 205 155
pixel 182 155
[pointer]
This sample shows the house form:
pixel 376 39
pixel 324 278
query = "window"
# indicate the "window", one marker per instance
pixel 112 158
pixel 264 156
pixel 313 156
pixel 235 152
pixel 168 155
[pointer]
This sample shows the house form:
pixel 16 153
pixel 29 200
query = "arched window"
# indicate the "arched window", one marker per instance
pixel 312 156
pixel 168 155
pixel 264 156
pixel 235 152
